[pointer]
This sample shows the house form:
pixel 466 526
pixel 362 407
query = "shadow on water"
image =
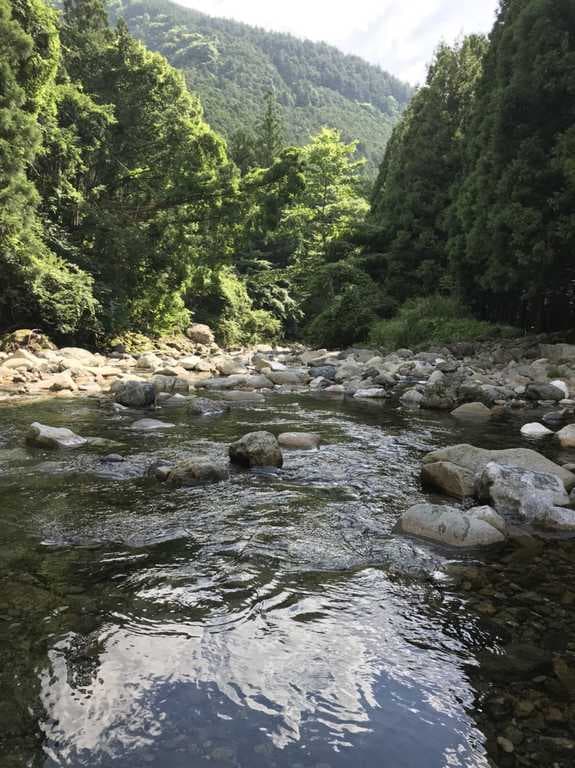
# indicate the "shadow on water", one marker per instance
pixel 271 620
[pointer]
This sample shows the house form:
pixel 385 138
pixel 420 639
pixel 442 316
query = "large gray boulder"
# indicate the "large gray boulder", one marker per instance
pixel 257 449
pixel 134 394
pixel 478 527
pixel 544 392
pixel 453 470
pixel 42 436
pixel 506 487
pixel 292 377
pixel 200 334
pixel 170 384
pixel 197 471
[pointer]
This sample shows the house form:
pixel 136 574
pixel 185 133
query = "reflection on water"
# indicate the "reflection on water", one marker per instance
pixel 268 621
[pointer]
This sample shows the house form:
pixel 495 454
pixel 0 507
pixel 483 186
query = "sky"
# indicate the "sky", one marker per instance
pixel 400 35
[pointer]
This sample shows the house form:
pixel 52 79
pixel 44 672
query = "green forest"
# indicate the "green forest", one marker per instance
pixel 125 208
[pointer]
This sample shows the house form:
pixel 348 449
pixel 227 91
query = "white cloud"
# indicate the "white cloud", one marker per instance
pixel 401 35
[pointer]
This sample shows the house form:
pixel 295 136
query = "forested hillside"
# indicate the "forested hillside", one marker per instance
pixel 232 66
pixel 123 210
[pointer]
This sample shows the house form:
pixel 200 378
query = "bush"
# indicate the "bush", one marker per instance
pixel 433 320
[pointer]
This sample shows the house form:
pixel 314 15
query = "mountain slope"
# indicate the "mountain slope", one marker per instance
pixel 232 66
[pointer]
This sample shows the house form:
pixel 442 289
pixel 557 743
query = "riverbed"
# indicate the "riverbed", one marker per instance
pixel 272 620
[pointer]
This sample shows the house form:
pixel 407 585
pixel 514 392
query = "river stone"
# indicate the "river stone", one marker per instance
pixel 519 661
pixel 203 406
pixel 454 527
pixel 535 391
pixel 412 398
pixel 170 384
pixel 190 362
pixel 375 393
pixel 453 469
pixel 507 486
pixel 323 371
pixel 148 361
pixel 241 396
pixel 134 394
pixel 535 430
pixel 43 436
pixel 224 382
pixel 200 334
pixel 197 471
pixel 472 412
pixel 562 385
pixel 257 449
pixel 539 509
pixel 567 436
pixel 260 363
pixel 291 377
pixel 171 401
pixel 147 425
pixel 227 366
pixel 308 441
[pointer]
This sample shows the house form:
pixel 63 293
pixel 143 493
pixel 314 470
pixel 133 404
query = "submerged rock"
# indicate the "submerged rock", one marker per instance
pixel 308 441
pixel 257 449
pixel 134 394
pixel 478 527
pixel 453 470
pixel 147 425
pixel 197 471
pixel 203 406
pixel 472 412
pixel 42 436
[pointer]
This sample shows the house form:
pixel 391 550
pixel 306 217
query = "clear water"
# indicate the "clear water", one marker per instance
pixel 271 620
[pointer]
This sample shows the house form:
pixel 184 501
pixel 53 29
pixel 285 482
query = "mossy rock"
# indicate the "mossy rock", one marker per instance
pixel 131 342
pixel 24 338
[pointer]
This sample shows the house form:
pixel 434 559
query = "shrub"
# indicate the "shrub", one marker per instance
pixel 433 320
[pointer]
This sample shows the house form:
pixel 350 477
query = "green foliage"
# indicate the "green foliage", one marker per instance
pixel 315 83
pixel 432 320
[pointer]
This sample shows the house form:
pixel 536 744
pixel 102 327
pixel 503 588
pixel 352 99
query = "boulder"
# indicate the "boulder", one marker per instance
pixel 412 398
pixel 478 527
pixel 566 436
pixel 307 441
pixel 224 382
pixel 291 377
pixel 227 366
pixel 203 406
pixel 323 371
pixel 260 363
pixel 472 412
pixel 200 334
pixel 374 393
pixel 535 430
pixel 558 353
pixel 77 353
pixel 148 361
pixel 507 486
pixel 539 509
pixel 42 436
pixel 147 425
pixel 453 470
pixel 257 449
pixel 241 396
pixel 191 362
pixel 134 394
pixel 536 391
pixel 165 399
pixel 197 471
pixel 170 384
pixel 559 384
pixel 62 382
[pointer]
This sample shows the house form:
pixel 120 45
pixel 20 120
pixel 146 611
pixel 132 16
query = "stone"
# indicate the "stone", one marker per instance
pixel 535 430
pixel 241 396
pixel 190 362
pixel 112 458
pixel 171 401
pixel 134 394
pixel 452 526
pixel 558 353
pixel 472 412
pixel 62 382
pixel 535 391
pixel 412 398
pixel 291 377
pixel 539 509
pixel 147 425
pixel 453 469
pixel 203 406
pixel 200 334
pixel 148 361
pixel 197 471
pixel 77 353
pixel 42 436
pixel 560 384
pixel 519 661
pixel 506 487
pixel 566 436
pixel 257 449
pixel 324 371
pixel 366 394
pixel 308 441
pixel 170 384
pixel 260 363
pixel 227 366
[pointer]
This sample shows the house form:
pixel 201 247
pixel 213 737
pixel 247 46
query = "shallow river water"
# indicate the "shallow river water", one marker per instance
pixel 271 620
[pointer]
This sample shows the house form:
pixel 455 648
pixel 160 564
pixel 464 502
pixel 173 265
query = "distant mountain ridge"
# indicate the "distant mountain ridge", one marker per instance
pixel 232 65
